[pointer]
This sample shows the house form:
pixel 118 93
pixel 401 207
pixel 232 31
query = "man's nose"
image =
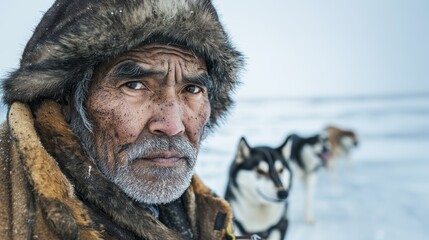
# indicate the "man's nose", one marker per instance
pixel 168 119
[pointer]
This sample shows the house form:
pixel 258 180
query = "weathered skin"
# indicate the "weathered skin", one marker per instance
pixel 127 109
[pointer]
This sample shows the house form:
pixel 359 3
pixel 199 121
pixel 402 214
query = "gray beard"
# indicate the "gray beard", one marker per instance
pixel 162 184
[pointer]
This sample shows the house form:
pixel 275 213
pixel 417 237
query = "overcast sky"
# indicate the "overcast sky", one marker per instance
pixel 296 48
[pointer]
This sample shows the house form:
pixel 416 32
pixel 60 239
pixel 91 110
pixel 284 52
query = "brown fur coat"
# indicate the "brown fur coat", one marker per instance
pixel 50 190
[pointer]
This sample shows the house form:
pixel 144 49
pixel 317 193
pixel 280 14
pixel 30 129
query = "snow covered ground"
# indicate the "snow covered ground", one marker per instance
pixel 384 195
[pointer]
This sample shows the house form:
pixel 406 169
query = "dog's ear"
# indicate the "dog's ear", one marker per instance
pixel 243 151
pixel 286 148
pixel 354 137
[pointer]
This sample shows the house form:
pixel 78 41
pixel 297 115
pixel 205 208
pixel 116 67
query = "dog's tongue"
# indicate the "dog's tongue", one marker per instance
pixel 325 157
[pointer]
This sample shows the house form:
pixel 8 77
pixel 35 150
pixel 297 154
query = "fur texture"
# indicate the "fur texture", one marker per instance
pixel 343 141
pixel 76 35
pixel 50 190
pixel 50 197
pixel 258 187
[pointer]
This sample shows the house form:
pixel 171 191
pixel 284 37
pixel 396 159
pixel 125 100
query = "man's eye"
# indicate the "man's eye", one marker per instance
pixel 135 85
pixel 193 89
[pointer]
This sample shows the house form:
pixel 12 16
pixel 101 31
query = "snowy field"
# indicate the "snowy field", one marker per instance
pixel 384 195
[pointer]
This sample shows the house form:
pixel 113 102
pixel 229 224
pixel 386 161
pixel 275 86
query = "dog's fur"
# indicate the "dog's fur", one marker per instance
pixel 307 155
pixel 258 187
pixel 342 141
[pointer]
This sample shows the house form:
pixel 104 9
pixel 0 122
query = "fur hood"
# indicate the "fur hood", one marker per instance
pixel 76 35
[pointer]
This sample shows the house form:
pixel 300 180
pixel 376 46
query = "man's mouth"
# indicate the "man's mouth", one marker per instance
pixel 163 159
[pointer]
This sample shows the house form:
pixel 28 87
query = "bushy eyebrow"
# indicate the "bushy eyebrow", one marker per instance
pixel 132 70
pixel 203 80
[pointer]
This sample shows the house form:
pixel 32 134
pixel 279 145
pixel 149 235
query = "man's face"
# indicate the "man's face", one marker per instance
pixel 149 109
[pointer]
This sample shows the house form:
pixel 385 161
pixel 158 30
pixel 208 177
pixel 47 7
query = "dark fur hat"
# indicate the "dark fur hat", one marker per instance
pixel 76 35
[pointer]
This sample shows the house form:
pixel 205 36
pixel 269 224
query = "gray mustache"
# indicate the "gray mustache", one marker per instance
pixel 145 147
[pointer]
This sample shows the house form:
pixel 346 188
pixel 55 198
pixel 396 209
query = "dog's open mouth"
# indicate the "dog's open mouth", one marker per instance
pixel 324 157
pixel 270 198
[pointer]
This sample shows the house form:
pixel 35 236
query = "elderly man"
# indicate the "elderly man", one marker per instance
pixel 106 114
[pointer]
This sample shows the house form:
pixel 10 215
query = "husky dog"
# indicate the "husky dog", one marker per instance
pixel 342 143
pixel 307 155
pixel 258 187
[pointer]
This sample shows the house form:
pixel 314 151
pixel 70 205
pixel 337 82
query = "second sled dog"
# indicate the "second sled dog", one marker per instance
pixel 307 155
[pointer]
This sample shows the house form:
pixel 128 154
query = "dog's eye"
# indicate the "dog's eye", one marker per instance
pixel 260 172
pixel 280 170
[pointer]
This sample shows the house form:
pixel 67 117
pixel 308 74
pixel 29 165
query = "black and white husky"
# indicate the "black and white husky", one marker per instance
pixel 258 188
pixel 306 155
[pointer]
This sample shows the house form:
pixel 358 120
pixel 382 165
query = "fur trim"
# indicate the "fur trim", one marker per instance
pixel 53 193
pixel 209 209
pixel 64 212
pixel 74 36
pixel 13 226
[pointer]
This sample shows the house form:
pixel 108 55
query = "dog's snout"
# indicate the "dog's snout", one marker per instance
pixel 325 149
pixel 282 194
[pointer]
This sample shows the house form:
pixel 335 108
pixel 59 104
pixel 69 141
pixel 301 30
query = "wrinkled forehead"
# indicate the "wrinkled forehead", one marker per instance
pixel 156 53
pixel 157 48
